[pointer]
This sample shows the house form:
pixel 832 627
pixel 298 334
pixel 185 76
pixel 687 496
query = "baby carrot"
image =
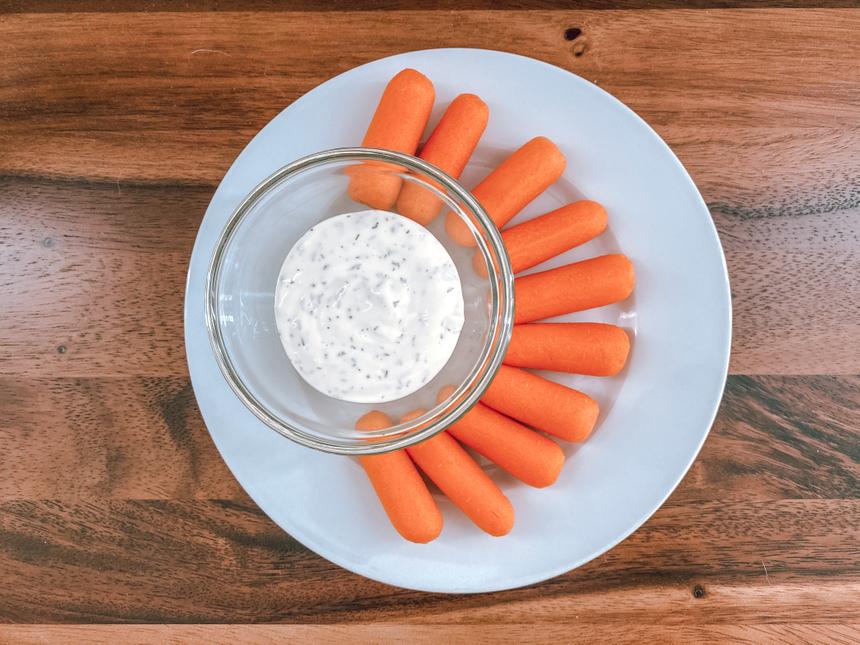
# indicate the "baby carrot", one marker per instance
pixel 527 455
pixel 548 235
pixel 596 349
pixel 518 180
pixel 400 488
pixel 542 404
pixel 573 287
pixel 397 124
pixel 449 148
pixel 465 483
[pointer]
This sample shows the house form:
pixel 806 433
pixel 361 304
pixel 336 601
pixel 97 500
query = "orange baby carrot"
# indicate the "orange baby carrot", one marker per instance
pixel 548 235
pixel 465 483
pixel 527 455
pixel 400 488
pixel 397 124
pixel 596 349
pixel 542 404
pixel 449 148
pixel 518 180
pixel 573 287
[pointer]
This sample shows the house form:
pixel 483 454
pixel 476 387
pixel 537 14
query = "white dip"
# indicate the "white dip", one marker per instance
pixel 368 306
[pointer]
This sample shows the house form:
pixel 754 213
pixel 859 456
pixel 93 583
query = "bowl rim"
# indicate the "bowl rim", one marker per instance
pixel 467 393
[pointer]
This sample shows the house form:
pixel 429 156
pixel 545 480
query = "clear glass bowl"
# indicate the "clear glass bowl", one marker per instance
pixel 240 314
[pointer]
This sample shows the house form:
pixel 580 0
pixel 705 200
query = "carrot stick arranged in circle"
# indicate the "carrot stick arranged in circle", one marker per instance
pixel 583 285
pixel 449 148
pixel 530 457
pixel 400 488
pixel 543 404
pixel 514 183
pixel 596 349
pixel 397 124
pixel 548 235
pixel 463 481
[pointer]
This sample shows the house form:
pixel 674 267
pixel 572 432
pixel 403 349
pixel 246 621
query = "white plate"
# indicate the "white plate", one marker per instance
pixel 654 417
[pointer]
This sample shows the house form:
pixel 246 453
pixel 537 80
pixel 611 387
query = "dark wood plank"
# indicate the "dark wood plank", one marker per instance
pixel 197 561
pixel 69 438
pixel 142 438
pixel 71 6
pixel 780 438
pixel 632 634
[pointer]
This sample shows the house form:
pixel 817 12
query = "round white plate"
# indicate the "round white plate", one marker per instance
pixel 654 417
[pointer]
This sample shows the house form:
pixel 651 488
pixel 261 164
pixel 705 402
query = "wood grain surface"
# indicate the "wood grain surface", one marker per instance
pixel 117 121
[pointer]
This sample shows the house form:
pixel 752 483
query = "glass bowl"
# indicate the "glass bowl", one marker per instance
pixel 240 312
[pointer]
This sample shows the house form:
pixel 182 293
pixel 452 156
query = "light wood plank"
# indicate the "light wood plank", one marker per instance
pixel 632 634
pixel 93 277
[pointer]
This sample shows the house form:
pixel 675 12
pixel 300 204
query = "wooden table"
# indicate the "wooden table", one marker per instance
pixel 115 127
